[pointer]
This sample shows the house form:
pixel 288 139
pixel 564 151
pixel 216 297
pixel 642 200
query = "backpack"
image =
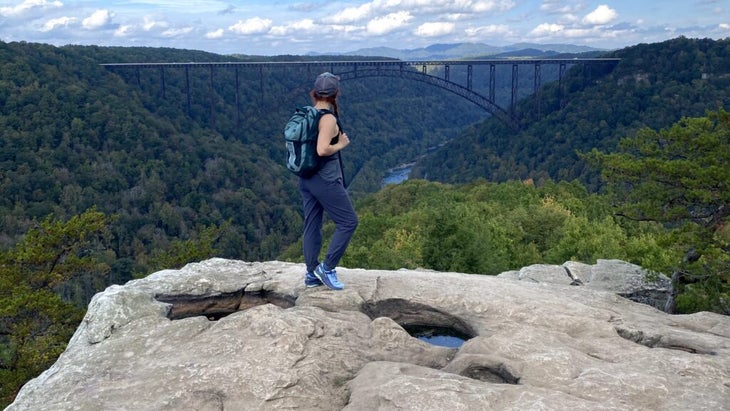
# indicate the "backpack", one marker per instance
pixel 300 135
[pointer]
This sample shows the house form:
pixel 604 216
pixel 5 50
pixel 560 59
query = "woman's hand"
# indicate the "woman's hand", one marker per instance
pixel 344 140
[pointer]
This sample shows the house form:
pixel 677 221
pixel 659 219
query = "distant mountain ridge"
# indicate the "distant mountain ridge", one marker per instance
pixel 472 50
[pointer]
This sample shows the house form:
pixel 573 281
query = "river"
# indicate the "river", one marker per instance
pixel 397 175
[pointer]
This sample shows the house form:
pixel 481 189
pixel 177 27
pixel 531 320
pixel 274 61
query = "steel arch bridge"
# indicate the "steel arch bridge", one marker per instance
pixel 444 83
pixel 433 72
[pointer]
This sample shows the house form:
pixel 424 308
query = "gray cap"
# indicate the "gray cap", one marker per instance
pixel 326 84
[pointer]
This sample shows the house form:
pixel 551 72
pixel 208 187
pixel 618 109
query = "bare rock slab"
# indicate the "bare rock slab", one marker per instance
pixel 233 335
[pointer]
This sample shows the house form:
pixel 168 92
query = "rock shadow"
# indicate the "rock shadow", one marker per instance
pixel 483 368
pixel 499 374
pixel 671 342
pixel 420 320
pixel 219 305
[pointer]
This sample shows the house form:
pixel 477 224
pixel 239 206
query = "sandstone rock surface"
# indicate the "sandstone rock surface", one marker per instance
pixel 625 279
pixel 232 335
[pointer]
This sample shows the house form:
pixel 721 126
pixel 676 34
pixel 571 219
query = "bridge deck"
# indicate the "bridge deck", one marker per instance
pixel 340 63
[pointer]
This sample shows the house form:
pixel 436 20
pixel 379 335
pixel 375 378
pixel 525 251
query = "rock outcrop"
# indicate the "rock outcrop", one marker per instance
pixel 625 279
pixel 232 335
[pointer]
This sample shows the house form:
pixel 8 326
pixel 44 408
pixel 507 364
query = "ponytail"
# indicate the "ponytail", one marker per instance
pixel 330 99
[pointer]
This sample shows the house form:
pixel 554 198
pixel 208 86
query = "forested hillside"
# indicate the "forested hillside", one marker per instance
pixel 489 228
pixel 75 135
pixel 653 86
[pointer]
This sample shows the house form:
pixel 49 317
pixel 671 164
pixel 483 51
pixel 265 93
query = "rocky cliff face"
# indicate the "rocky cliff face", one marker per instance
pixel 231 335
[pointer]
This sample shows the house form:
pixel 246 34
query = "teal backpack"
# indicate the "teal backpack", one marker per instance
pixel 300 135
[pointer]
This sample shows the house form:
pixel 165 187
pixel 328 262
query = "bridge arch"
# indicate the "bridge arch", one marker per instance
pixel 455 88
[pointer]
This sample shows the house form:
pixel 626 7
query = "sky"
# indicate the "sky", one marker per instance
pixel 276 27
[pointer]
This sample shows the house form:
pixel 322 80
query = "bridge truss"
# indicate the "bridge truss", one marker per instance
pixel 434 72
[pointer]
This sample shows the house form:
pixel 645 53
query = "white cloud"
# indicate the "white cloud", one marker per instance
pixel 386 8
pixel 456 16
pixel 557 32
pixel 490 30
pixel 53 23
pixel 601 15
pixel 350 14
pixel 547 29
pixel 215 34
pixel 558 7
pixel 345 28
pixel 490 5
pixel 447 6
pixel 388 23
pixel 28 5
pixel 302 7
pixel 254 25
pixel 177 32
pixel 306 25
pixel 123 30
pixel 150 23
pixel 569 19
pixel 576 33
pixel 435 29
pixel 97 19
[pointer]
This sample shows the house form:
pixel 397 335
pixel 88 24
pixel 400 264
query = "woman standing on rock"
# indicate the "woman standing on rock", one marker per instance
pixel 325 190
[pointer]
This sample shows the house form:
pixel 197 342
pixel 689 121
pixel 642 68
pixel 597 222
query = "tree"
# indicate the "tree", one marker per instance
pixel 35 323
pixel 181 252
pixel 680 177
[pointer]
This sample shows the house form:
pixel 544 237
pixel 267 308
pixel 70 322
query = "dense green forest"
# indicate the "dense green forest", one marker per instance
pixel 489 228
pixel 77 135
pixel 105 175
pixel 654 85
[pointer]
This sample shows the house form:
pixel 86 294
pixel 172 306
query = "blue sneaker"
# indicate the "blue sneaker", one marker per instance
pixel 328 277
pixel 311 280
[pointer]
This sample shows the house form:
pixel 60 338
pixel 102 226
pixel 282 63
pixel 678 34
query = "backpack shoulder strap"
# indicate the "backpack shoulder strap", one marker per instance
pixel 311 110
pixel 326 111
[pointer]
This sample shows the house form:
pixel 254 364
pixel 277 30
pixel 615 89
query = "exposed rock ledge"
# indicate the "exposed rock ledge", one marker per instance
pixel 625 279
pixel 232 335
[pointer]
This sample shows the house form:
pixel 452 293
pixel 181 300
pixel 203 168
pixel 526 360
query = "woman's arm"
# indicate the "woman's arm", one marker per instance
pixel 327 131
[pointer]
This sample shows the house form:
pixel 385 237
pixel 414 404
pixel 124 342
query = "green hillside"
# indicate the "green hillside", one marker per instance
pixel 75 135
pixel 653 86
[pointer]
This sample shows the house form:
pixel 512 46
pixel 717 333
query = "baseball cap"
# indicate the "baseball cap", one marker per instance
pixel 326 84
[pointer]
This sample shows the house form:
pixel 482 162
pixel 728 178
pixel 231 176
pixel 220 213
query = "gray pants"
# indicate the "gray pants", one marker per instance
pixel 318 196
